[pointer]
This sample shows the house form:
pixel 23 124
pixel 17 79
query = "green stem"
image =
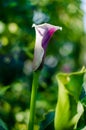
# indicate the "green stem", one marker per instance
pixel 33 100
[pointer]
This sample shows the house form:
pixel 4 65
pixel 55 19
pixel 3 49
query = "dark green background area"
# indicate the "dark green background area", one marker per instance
pixel 65 53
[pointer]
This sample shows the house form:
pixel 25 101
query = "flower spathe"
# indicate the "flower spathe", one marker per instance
pixel 43 34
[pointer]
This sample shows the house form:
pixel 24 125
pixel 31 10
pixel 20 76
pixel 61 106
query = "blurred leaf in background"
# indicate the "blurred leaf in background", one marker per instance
pixel 3 125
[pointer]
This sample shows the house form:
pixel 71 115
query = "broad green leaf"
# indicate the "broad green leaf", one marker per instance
pixel 68 108
pixel 48 122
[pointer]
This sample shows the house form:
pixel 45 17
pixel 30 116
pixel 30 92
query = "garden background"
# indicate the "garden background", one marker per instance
pixel 66 53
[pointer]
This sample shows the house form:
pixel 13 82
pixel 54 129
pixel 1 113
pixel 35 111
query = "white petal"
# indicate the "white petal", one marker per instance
pixel 38 51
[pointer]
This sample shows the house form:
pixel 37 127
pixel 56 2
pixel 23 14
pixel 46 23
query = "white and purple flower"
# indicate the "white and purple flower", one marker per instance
pixel 43 34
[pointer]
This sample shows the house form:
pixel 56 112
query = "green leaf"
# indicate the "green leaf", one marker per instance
pixel 3 125
pixel 48 122
pixel 68 108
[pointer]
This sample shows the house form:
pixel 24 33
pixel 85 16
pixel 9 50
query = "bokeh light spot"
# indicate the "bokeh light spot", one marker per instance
pixel 2 27
pixel 13 27
pixel 4 41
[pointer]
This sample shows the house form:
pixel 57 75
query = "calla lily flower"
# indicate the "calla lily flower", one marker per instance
pixel 43 34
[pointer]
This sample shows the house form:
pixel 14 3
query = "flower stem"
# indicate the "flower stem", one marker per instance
pixel 33 100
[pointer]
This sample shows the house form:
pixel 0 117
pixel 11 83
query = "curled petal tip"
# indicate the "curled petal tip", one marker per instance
pixel 33 25
pixel 60 28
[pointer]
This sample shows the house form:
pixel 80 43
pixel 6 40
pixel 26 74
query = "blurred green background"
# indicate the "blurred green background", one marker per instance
pixel 65 53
